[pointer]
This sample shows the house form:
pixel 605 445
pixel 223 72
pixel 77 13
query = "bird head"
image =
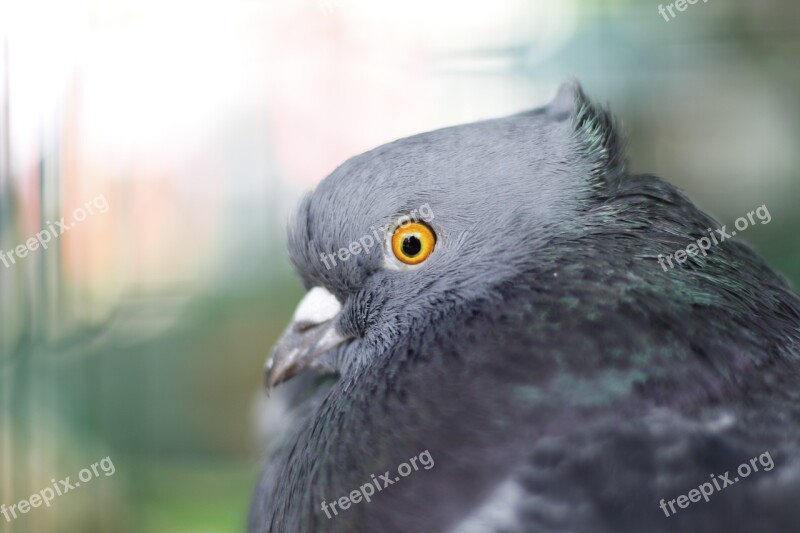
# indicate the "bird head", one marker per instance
pixel 421 227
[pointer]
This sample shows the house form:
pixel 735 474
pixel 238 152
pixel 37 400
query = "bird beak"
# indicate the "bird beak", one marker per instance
pixel 310 334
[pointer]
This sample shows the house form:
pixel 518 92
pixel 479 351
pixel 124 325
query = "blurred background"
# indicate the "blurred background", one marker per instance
pixel 141 332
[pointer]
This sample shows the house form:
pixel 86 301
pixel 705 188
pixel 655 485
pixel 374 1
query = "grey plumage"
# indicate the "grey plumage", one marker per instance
pixel 541 353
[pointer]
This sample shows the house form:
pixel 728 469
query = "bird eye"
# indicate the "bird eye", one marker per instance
pixel 413 242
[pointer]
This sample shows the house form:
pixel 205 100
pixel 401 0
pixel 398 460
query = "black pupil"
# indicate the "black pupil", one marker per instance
pixel 412 245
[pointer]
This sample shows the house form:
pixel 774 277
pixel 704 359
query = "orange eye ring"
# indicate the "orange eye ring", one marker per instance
pixel 413 243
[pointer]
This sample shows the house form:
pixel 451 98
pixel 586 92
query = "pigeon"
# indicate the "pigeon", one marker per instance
pixel 492 341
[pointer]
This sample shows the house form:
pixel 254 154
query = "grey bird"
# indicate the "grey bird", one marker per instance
pixel 525 339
